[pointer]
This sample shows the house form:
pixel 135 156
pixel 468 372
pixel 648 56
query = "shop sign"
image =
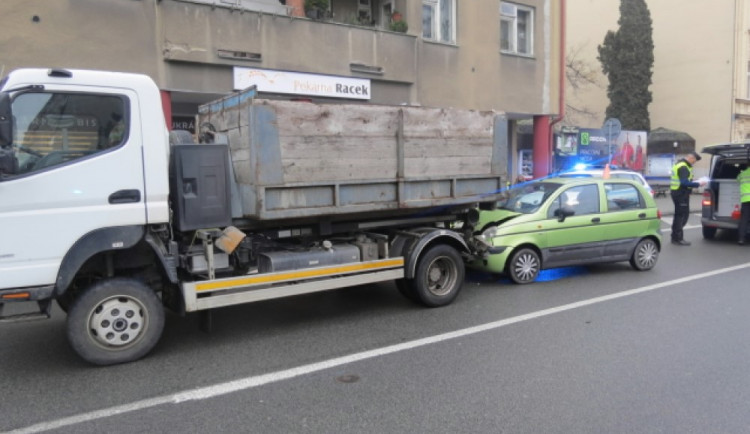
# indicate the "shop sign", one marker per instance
pixel 296 83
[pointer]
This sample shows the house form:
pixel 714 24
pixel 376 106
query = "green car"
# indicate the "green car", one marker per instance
pixel 559 222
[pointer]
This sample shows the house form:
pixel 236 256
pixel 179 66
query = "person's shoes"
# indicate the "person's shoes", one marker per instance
pixel 681 242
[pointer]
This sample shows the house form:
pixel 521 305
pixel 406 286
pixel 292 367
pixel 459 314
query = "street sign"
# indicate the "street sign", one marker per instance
pixel 611 129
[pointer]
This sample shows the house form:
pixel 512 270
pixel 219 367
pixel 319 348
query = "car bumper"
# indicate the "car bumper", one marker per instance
pixel 494 260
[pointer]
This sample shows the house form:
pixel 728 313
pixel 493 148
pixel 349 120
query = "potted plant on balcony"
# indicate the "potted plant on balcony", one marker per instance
pixel 316 9
pixel 397 23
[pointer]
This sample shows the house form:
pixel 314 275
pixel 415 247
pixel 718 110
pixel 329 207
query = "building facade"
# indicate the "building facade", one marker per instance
pixel 478 54
pixel 701 74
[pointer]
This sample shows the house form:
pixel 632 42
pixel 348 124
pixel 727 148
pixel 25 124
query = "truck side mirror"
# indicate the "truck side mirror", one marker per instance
pixel 6 121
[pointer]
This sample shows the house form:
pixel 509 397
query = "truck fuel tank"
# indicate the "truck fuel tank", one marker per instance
pixel 287 260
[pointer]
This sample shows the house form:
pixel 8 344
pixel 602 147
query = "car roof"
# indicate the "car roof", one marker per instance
pixel 586 180
pixel 597 172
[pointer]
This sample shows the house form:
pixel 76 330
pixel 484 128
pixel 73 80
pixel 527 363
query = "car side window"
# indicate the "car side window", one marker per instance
pixel 52 129
pixel 622 197
pixel 582 200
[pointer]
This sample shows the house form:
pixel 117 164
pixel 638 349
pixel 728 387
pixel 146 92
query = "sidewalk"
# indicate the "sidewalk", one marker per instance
pixel 665 205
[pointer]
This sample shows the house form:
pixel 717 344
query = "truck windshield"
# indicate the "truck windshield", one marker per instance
pixel 51 129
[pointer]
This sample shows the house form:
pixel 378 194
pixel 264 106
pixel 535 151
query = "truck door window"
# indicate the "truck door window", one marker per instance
pixel 52 129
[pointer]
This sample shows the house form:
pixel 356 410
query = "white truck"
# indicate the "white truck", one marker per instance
pixel 106 212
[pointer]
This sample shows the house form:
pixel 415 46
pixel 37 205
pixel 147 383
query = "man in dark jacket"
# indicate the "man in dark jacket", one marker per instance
pixel 681 185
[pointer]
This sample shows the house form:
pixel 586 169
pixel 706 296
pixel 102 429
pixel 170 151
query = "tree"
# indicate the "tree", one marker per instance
pixel 580 74
pixel 627 58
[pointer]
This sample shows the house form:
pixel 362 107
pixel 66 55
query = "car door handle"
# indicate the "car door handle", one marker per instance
pixel 642 215
pixel 125 196
pixel 595 220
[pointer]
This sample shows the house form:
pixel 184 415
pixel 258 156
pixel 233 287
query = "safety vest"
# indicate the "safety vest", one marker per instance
pixel 744 179
pixel 675 181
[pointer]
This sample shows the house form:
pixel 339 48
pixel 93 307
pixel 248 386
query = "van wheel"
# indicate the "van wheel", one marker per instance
pixel 115 321
pixel 524 266
pixel 709 233
pixel 645 255
pixel 439 276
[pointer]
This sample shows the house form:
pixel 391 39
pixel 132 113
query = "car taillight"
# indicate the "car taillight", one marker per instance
pixel 651 190
pixel 706 198
pixel 658 214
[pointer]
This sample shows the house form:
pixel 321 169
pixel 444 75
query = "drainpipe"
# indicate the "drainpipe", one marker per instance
pixel 561 108
pixel 543 128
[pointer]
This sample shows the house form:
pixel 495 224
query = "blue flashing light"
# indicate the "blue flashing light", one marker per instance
pixel 580 166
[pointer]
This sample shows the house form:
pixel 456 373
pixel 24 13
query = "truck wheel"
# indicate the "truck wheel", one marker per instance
pixel 645 255
pixel 115 321
pixel 709 233
pixel 524 266
pixel 406 288
pixel 439 276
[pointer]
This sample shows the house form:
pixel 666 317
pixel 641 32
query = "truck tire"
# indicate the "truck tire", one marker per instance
pixel 439 276
pixel 406 288
pixel 645 255
pixel 709 233
pixel 524 266
pixel 115 321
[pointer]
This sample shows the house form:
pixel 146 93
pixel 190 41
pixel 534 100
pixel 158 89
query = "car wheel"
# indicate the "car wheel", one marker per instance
pixel 439 276
pixel 645 255
pixel 115 321
pixel 709 233
pixel 524 266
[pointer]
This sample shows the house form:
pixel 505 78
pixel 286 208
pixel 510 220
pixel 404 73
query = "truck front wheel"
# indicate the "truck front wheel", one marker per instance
pixel 439 276
pixel 115 321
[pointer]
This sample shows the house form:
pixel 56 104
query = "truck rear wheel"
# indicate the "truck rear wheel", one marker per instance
pixel 439 276
pixel 115 321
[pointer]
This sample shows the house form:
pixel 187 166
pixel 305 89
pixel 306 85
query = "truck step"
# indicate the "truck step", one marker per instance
pixel 24 317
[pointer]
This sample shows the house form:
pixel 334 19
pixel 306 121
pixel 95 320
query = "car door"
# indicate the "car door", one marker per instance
pixel 80 169
pixel 577 238
pixel 625 220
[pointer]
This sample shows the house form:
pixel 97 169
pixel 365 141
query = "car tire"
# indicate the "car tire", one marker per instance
pixel 645 255
pixel 115 321
pixel 524 266
pixel 709 233
pixel 439 276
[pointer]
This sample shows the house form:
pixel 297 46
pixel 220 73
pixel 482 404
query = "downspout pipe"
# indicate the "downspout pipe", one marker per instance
pixel 561 110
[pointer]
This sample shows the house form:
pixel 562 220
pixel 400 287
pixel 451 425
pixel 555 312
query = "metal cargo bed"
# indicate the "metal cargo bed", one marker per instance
pixel 294 160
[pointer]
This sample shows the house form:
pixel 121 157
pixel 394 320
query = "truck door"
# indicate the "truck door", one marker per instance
pixel 79 169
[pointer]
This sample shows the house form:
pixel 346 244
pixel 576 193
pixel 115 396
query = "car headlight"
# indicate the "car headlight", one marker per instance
pixel 487 235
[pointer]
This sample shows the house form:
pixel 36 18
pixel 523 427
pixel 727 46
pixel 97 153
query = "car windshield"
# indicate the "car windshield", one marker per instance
pixel 526 198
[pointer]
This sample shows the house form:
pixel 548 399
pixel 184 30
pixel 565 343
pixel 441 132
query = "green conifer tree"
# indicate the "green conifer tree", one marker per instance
pixel 627 58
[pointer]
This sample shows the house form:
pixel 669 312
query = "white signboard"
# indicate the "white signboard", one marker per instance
pixel 302 84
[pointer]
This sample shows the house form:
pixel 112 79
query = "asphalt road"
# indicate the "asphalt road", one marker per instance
pixel 587 350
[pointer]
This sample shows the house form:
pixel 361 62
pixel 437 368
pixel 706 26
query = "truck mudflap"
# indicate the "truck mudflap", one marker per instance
pixel 42 295
pixel 209 294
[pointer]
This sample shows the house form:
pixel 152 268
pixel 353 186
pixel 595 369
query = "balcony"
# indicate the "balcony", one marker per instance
pixel 344 41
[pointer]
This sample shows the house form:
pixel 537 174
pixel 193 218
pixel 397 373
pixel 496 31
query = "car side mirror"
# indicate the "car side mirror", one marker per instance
pixel 6 121
pixel 563 213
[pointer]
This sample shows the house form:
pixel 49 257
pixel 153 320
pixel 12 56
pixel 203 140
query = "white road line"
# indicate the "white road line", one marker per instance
pixel 669 220
pixel 208 392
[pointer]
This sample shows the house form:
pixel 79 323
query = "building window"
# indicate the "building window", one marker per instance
pixel 516 29
pixel 439 20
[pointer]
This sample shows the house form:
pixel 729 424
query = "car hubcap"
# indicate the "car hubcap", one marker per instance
pixel 647 254
pixel 526 267
pixel 117 321
pixel 441 276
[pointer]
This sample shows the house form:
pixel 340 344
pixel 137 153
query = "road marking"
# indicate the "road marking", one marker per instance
pixel 669 220
pixel 203 393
